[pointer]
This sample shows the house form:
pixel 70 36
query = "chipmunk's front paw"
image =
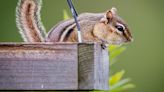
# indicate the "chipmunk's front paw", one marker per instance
pixel 103 46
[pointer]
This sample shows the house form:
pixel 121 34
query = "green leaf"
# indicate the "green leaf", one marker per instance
pixel 126 86
pixel 123 87
pixel 113 47
pixel 117 85
pixel 116 77
pixel 115 51
pixel 65 15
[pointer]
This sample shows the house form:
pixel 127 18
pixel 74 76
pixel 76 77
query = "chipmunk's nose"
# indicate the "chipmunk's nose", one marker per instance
pixel 128 36
pixel 129 39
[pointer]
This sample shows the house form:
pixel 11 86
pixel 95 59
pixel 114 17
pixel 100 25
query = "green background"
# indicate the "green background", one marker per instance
pixel 143 60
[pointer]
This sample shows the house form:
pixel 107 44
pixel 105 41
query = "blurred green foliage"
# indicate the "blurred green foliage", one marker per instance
pixel 65 15
pixel 114 52
pixel 116 81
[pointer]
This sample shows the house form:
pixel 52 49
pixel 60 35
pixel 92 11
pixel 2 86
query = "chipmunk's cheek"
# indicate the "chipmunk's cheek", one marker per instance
pixel 115 39
pixel 100 31
pixel 112 39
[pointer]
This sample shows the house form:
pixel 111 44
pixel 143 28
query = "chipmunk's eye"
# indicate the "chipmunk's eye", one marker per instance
pixel 120 27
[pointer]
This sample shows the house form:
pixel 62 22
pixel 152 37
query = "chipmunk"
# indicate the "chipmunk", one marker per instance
pixel 107 28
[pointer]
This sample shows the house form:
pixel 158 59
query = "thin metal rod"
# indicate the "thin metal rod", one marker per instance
pixel 72 6
pixel 75 15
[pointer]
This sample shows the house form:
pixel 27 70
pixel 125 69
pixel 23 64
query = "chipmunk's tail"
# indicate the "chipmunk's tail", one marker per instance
pixel 28 20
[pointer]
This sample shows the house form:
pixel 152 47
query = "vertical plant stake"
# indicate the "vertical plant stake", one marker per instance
pixel 75 15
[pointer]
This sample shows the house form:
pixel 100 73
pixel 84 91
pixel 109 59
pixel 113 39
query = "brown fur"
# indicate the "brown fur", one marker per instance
pixel 95 27
pixel 28 20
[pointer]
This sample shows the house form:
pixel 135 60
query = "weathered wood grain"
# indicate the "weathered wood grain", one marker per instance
pixel 38 66
pixel 57 66
pixel 93 67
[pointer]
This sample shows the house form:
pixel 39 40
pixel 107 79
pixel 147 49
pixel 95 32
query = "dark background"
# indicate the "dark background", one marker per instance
pixel 143 60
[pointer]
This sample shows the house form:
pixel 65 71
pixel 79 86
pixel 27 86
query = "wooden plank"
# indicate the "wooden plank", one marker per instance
pixel 57 66
pixel 93 67
pixel 38 67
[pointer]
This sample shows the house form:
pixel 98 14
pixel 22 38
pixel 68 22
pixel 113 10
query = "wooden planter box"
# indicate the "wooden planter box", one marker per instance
pixel 58 66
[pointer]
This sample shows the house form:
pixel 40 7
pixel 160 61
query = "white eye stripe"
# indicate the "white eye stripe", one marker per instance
pixel 121 25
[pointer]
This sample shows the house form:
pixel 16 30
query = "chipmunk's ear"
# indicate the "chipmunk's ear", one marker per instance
pixel 111 13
